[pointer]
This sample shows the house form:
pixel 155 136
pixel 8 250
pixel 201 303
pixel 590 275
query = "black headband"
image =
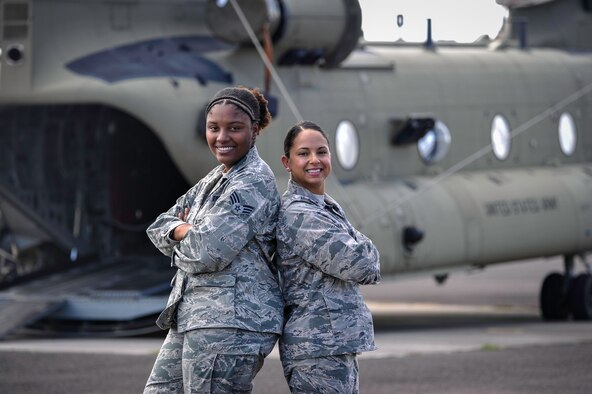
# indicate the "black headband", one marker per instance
pixel 242 98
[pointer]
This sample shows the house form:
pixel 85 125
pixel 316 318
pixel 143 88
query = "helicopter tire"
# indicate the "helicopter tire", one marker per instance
pixel 553 298
pixel 580 297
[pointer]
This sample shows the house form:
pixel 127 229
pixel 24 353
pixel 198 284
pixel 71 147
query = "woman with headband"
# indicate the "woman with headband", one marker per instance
pixel 225 310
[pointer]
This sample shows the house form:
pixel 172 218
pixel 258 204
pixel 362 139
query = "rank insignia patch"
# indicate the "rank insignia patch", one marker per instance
pixel 238 207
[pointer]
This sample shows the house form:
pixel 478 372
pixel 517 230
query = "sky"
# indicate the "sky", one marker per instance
pixel 458 20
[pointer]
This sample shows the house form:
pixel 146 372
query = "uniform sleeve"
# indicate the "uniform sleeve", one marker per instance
pixel 217 238
pixel 158 232
pixel 315 236
pixel 373 253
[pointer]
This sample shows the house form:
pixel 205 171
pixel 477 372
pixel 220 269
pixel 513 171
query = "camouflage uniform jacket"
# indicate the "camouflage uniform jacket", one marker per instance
pixel 226 274
pixel 322 262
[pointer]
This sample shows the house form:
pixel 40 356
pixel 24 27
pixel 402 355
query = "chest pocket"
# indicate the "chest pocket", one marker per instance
pixel 340 219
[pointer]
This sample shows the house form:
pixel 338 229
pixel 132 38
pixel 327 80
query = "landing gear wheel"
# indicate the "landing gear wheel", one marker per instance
pixel 553 298
pixel 580 297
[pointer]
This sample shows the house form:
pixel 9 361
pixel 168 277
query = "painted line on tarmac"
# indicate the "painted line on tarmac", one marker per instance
pixel 399 308
pixel 487 338
pixel 127 346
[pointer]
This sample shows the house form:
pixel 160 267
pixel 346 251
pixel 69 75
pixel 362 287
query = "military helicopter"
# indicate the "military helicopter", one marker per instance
pixel 447 155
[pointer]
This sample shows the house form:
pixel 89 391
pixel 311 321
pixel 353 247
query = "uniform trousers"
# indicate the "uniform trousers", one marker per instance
pixel 211 360
pixel 323 375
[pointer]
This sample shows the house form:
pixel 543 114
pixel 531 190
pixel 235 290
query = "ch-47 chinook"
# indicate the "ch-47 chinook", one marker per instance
pixel 446 155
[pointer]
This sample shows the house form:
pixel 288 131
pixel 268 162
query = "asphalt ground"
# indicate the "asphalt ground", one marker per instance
pixel 533 369
pixel 480 333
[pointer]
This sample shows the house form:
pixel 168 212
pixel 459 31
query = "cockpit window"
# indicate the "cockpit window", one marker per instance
pixel 501 138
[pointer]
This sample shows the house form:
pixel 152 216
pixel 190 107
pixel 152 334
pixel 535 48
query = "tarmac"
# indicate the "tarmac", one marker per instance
pixel 527 357
pixel 466 337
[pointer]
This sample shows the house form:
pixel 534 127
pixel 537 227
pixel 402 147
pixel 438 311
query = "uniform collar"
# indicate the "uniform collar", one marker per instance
pixel 251 156
pixel 295 188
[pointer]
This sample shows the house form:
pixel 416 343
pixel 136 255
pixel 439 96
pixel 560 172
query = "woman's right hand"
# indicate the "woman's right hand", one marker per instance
pixel 181 230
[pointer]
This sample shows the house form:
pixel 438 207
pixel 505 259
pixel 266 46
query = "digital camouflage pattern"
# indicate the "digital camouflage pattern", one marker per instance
pixel 226 275
pixel 212 361
pixel 322 261
pixel 323 375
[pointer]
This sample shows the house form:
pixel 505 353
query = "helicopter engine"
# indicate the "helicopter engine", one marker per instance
pixel 303 32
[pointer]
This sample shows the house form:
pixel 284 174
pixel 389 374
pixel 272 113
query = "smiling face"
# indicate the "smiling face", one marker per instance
pixel 230 133
pixel 309 160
